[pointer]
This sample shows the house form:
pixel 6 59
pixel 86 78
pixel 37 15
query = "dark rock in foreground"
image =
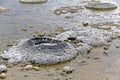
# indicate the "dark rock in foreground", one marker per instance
pixel 101 6
pixel 42 51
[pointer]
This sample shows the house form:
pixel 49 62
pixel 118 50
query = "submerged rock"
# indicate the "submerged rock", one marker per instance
pixel 42 51
pixel 33 1
pixel 90 36
pixel 3 9
pixel 101 6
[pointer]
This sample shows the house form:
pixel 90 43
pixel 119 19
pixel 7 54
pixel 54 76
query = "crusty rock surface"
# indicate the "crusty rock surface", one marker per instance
pixel 42 51
pixel 87 35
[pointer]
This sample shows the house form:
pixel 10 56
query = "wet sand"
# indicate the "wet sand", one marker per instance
pixel 24 20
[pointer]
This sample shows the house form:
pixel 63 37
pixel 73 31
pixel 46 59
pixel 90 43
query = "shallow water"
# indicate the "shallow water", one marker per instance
pixel 39 17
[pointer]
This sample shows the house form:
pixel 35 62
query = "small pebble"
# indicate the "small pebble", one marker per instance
pixel 3 75
pixel 67 69
pixel 106 53
pixel 56 79
pixel 3 68
pixel 25 75
pixel 24 30
pixel 105 48
pixel 69 17
pixel 28 67
pixel 85 24
pixel 36 68
pixel 96 58
pixel 117 46
pixel 83 61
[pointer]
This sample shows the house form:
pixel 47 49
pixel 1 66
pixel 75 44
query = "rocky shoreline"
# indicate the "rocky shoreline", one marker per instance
pixel 67 54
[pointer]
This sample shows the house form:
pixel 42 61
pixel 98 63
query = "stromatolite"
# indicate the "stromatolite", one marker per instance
pixel 101 6
pixel 41 51
pixel 33 1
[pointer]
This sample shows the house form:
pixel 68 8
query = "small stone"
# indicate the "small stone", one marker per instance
pixel 56 79
pixel 117 46
pixel 64 11
pixel 67 69
pixel 105 48
pixel 24 30
pixel 83 61
pixel 2 75
pixel 59 29
pixel 36 68
pixel 57 12
pixel 25 75
pixel 3 9
pixel 106 53
pixel 96 58
pixel 69 17
pixel 85 24
pixel 3 68
pixel 73 10
pixel 28 67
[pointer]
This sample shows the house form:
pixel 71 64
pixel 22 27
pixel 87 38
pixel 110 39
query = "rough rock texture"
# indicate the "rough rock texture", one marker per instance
pixel 3 9
pixel 90 36
pixel 67 9
pixel 40 51
pixel 83 48
pixel 33 1
pixel 101 6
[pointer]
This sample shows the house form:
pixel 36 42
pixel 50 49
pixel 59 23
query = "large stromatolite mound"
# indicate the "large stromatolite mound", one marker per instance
pixel 101 6
pixel 33 1
pixel 42 51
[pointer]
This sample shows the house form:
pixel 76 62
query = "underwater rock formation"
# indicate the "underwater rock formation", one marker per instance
pixel 101 6
pixel 33 1
pixel 40 50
